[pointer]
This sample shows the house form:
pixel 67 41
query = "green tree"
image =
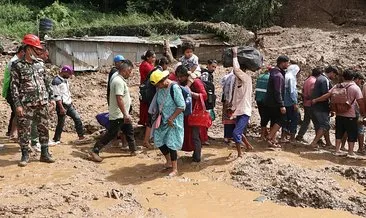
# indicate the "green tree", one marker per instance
pixel 250 13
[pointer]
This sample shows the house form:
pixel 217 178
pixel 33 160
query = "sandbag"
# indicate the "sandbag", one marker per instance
pixel 248 57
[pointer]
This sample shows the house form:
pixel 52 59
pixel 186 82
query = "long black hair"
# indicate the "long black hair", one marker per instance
pixel 147 54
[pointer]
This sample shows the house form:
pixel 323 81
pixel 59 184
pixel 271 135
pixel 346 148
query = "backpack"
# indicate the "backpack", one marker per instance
pixel 187 98
pixel 261 87
pixel 147 90
pixel 210 103
pixel 339 102
pixel 248 57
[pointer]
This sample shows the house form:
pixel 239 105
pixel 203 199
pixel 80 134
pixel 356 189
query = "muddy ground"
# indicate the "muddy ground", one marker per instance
pixel 75 187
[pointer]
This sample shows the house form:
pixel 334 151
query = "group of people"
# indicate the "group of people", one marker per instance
pixel 31 95
pixel 277 100
pixel 168 101
pixel 177 107
pixel 179 112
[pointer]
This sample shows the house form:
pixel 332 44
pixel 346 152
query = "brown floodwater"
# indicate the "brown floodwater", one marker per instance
pixel 203 190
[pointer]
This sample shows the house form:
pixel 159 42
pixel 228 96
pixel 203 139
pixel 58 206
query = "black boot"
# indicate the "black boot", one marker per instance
pixel 45 155
pixel 25 158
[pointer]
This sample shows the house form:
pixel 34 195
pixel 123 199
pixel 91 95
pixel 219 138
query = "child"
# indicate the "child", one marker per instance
pixel 207 78
pixel 190 61
pixel 207 74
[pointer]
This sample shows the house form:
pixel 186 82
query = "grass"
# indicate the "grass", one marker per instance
pixel 17 20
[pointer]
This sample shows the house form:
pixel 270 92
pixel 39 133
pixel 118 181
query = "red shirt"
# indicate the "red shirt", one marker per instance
pixel 308 89
pixel 172 77
pixel 145 68
pixel 198 87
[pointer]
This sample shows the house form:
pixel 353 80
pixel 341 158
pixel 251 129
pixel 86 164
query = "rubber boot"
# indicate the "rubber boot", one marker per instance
pixel 45 155
pixel 25 158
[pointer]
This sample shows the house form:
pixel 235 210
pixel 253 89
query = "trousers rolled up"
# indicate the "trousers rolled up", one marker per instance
pixel 115 126
pixel 39 115
pixel 71 112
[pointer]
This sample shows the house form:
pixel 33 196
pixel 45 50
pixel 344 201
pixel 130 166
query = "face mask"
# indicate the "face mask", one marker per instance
pixel 34 58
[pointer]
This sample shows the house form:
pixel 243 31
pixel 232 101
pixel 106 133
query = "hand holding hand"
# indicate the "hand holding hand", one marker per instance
pixel 283 110
pixel 19 111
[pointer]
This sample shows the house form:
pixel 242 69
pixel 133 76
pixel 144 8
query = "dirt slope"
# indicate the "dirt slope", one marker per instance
pixel 323 13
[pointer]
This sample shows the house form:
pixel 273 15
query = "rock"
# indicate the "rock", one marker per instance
pixel 356 40
pixel 260 199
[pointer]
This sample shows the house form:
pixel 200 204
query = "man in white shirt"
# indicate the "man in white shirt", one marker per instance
pixel 120 119
pixel 62 96
pixel 241 104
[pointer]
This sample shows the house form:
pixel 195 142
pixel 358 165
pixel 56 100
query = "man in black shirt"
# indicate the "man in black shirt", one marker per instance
pixel 321 110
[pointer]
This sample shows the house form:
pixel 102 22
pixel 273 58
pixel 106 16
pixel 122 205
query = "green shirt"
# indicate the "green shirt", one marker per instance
pixel 6 83
pixel 7 77
pixel 118 88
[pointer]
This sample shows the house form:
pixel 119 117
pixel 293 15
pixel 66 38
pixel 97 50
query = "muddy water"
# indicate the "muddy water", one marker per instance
pixel 203 190
pixel 199 193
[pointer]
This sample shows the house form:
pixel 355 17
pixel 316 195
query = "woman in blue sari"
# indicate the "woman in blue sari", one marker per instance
pixel 168 106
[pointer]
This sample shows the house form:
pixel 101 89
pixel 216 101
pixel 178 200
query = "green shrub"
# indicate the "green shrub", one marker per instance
pixel 252 14
pixel 16 20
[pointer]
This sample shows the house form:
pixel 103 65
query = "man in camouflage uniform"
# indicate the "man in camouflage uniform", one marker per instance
pixel 31 93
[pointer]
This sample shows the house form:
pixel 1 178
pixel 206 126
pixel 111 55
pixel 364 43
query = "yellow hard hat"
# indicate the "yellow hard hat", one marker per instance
pixel 157 76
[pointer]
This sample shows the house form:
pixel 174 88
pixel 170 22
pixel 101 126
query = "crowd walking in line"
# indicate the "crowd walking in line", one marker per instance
pixel 177 108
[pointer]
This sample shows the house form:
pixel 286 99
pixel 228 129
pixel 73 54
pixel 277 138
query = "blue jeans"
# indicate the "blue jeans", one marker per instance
pixel 71 112
pixel 240 125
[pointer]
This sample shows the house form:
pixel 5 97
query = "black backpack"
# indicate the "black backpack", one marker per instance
pixel 147 90
pixel 211 97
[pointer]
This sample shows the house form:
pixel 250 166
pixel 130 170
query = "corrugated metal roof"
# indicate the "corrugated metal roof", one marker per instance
pixel 123 39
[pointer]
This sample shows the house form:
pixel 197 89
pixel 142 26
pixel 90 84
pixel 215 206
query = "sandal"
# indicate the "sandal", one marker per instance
pixel 173 174
pixel 340 154
pixel 273 144
pixel 314 148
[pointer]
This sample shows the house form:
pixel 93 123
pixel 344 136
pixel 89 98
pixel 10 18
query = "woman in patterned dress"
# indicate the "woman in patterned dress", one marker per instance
pixel 168 136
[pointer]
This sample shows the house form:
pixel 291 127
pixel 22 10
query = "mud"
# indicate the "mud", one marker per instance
pixel 34 194
pixel 295 186
pixel 357 174
pixel 75 187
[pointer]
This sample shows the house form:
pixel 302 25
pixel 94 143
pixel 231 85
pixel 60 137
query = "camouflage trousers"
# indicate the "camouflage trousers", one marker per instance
pixel 37 115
